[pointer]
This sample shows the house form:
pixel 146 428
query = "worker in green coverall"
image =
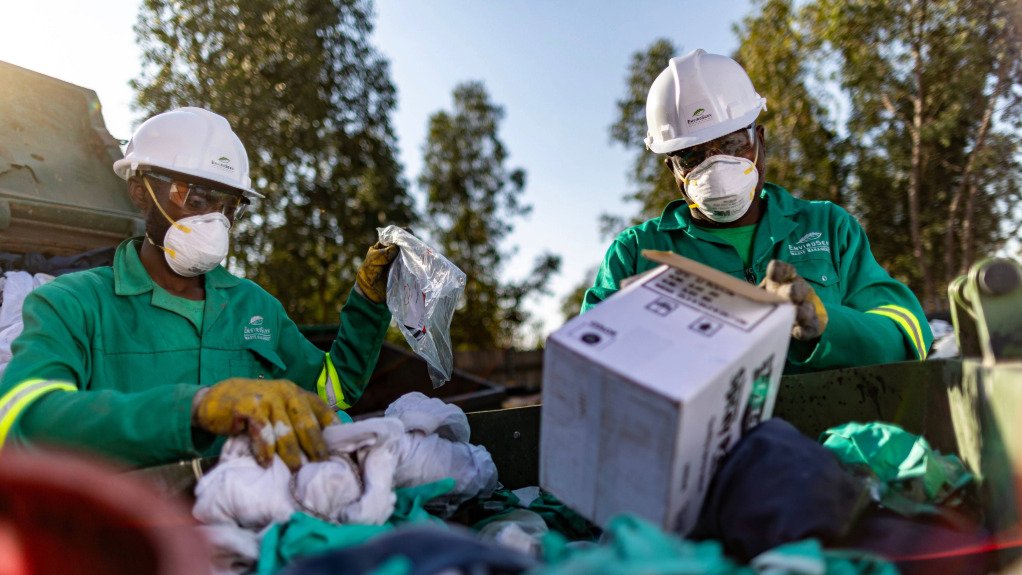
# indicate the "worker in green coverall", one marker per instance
pixel 150 360
pixel 701 114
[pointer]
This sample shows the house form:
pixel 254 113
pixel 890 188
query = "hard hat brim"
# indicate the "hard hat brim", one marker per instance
pixel 124 169
pixel 710 133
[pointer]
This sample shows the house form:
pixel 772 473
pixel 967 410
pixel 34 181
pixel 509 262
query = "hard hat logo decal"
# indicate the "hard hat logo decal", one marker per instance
pixel 223 162
pixel 699 119
pixel 699 111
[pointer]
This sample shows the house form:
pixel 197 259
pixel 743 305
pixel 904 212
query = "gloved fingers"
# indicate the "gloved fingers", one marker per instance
pixel 260 433
pixel 306 426
pixel 381 254
pixel 371 277
pixel 821 312
pixel 795 292
pixel 810 319
pixel 387 252
pixel 284 433
pixel 781 272
pixel 221 411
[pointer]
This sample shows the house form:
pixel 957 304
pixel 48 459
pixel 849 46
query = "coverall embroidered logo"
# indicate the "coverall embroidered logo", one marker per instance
pixel 809 243
pixel 254 329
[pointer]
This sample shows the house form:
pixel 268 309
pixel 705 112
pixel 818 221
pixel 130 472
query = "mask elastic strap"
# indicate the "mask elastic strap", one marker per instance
pixel 685 181
pixel 181 227
pixel 755 163
pixel 169 251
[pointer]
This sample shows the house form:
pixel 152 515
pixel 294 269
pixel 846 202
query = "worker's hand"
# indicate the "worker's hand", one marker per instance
pixel 810 315
pixel 372 274
pixel 277 415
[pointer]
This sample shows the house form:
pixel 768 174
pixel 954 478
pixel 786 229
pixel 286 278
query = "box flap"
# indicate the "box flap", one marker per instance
pixel 716 276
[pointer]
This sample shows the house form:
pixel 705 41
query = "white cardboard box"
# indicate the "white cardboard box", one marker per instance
pixel 644 393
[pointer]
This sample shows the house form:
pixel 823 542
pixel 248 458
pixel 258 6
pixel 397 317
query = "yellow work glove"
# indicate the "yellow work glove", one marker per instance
pixel 372 274
pixel 279 417
pixel 810 315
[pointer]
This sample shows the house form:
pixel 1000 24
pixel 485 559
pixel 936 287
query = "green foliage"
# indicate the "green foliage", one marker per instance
pixel 804 153
pixel 654 184
pixel 311 99
pixel 929 84
pixel 472 197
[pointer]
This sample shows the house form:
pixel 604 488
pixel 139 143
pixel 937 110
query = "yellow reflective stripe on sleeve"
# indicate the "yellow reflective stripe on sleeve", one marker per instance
pixel 14 402
pixel 328 386
pixel 909 324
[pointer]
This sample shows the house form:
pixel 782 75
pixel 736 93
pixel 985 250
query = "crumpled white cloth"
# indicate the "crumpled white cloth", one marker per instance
pixel 353 486
pixel 14 286
pixel 430 415
pixel 368 460
pixel 356 485
pixel 436 446
pixel 239 491
pixel 428 458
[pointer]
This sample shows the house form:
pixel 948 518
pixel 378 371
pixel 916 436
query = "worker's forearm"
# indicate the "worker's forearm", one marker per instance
pixel 357 347
pixel 139 429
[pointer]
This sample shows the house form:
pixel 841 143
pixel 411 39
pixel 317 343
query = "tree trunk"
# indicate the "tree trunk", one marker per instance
pixel 966 239
pixel 915 173
pixel 967 189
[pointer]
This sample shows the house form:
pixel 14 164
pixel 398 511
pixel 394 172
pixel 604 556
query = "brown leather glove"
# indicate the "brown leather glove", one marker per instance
pixel 810 315
pixel 277 415
pixel 372 274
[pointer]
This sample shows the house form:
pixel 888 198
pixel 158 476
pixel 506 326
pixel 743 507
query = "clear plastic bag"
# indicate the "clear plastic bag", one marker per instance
pixel 422 291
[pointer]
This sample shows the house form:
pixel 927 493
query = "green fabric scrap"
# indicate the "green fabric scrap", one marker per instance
pixel 306 535
pixel 808 557
pixel 904 473
pixel 410 505
pixel 632 545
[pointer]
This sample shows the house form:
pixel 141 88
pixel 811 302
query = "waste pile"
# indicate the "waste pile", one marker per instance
pixel 408 493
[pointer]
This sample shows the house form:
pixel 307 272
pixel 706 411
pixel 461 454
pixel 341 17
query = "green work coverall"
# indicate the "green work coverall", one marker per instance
pixel 873 318
pixel 108 361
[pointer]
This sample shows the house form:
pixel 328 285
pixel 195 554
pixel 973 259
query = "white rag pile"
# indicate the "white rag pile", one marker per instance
pixel 419 440
pixel 436 446
pixel 14 286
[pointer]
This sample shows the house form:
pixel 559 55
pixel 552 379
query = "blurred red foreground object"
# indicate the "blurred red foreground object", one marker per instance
pixel 60 513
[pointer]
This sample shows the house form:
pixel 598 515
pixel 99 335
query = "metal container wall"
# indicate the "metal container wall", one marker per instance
pixel 58 192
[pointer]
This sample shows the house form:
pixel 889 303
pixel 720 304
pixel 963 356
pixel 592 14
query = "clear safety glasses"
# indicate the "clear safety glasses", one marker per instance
pixel 198 199
pixel 737 143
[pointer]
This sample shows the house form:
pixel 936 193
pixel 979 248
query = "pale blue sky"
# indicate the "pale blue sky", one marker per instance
pixel 557 68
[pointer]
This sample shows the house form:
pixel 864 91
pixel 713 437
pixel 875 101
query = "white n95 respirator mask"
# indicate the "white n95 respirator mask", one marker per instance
pixel 722 187
pixel 197 244
pixel 194 245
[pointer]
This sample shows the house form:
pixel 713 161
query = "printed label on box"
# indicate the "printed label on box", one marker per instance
pixel 706 326
pixel 663 306
pixel 594 334
pixel 709 298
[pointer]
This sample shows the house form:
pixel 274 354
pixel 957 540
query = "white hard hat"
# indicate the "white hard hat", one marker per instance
pixel 697 98
pixel 191 141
